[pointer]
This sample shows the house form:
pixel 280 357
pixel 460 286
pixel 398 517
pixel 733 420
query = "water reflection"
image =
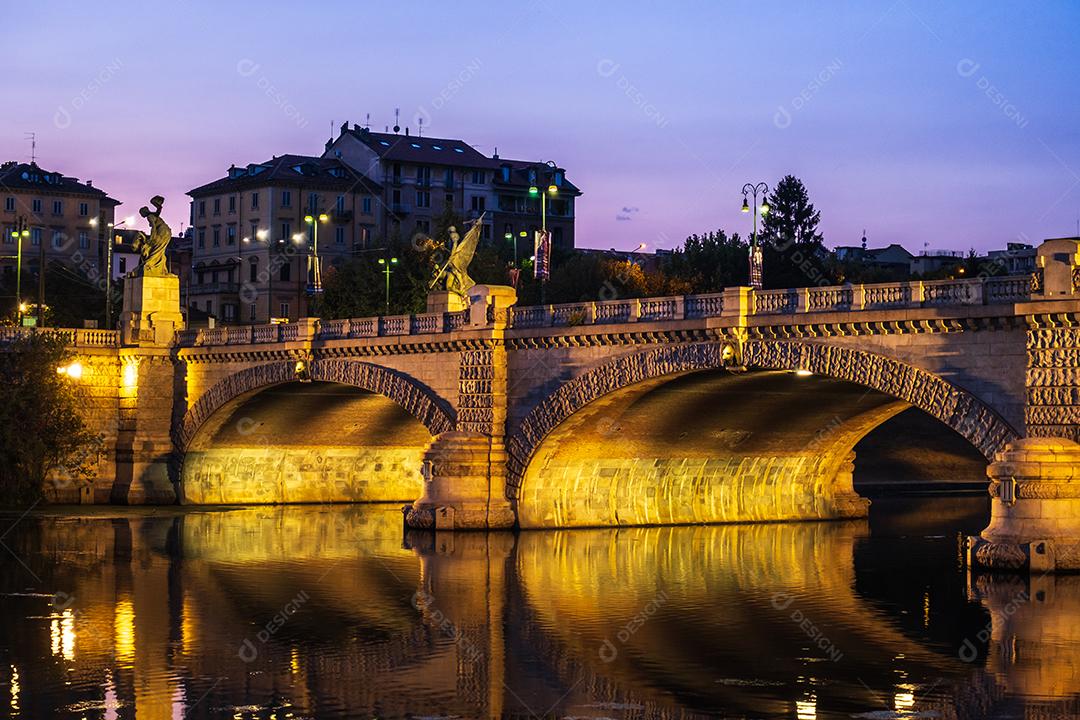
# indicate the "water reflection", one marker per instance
pixel 332 612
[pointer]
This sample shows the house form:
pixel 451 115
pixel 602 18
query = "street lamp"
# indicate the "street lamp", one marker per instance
pixel 314 271
pixel 755 251
pixel 109 263
pixel 20 232
pixel 387 264
pixel 261 234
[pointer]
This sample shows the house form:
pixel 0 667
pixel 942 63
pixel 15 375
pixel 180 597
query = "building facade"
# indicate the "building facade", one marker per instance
pixel 420 176
pixel 66 220
pixel 252 247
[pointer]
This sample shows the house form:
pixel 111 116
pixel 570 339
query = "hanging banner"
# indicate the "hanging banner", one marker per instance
pixel 756 263
pixel 542 253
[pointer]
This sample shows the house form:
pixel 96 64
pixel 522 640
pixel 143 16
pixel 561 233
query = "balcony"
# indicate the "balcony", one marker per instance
pixel 341 216
pixel 400 209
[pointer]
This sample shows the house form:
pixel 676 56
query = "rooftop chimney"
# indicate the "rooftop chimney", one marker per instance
pixel 406 131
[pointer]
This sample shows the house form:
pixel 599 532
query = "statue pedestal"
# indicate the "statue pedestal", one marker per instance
pixel 151 310
pixel 441 301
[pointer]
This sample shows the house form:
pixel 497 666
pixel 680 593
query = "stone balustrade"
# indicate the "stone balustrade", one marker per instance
pixel 76 337
pixel 836 298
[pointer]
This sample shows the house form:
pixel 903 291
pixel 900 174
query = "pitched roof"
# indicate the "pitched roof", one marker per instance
pixel 28 176
pixel 296 170
pixel 425 150
pixel 519 175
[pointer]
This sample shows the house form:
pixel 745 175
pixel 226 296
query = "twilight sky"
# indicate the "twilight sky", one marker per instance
pixel 941 125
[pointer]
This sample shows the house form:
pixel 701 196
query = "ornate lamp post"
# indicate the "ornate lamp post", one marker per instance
pixel 387 264
pixel 18 234
pixel 261 235
pixel 756 264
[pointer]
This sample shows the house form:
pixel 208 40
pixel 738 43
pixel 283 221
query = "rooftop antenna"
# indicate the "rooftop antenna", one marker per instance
pixel 32 137
pixel 420 130
pixel 367 121
pixel 864 238
pixel 397 124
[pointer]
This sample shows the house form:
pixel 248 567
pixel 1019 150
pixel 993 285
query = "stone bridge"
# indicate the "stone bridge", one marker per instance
pixel 737 406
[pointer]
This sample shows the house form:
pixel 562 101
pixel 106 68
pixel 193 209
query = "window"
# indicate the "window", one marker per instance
pixel 558 177
pixel 286 232
pixel 84 209
pixel 253 271
pixel 339 235
pixel 313 201
pixel 556 237
pixel 478 177
pixel 285 274
pixel 367 206
pixel 254 201
pixel 283 310
pixel 58 239
pixel 58 207
pixel 9 204
pixel 477 203
pixel 217 206
pixel 532 176
pixel 35 205
pixel 423 226
pixel 397 198
pixel 121 264
pixel 423 175
pixel 202 238
pixel 202 208
pixel 232 203
pixel 286 198
pixel 35 236
pixel 423 199
pixel 230 235
pixel 8 239
pixel 84 240
pixel 363 236
pixel 339 205
pixel 449 200
pixel 449 177
pixel 506 173
pixel 397 172
pixel 209 307
pixel 230 311
pixel 217 236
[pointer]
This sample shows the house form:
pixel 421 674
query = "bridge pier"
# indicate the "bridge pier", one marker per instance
pixel 1035 512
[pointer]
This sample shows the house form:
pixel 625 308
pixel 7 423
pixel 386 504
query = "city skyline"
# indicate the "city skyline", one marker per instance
pixel 939 127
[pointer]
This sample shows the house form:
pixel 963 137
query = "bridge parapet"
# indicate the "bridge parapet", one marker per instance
pixel 75 337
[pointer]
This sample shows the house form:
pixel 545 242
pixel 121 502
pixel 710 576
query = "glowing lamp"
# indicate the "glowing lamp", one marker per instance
pixel 765 207
pixel 803 372
pixel 533 190
pixel 745 207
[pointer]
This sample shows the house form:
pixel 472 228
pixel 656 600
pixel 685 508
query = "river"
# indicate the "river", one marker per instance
pixel 333 612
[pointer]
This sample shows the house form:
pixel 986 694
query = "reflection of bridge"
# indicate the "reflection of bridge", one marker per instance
pixel 640 411
pixel 511 625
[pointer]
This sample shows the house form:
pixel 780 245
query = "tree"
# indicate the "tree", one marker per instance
pixel 793 252
pixel 792 219
pixel 41 430
pixel 709 263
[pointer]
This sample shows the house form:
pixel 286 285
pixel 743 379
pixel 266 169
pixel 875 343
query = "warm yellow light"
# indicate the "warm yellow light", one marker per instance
pixel 23 307
pixel 124 632
pixel 261 234
pixel 308 219
pixel 298 237
pixel 131 375
pixel 93 222
pixel 803 372
pixel 300 366
pixel 323 217
pixel 553 189
pixel 75 370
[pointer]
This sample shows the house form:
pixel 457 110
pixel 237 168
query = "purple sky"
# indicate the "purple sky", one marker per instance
pixel 946 125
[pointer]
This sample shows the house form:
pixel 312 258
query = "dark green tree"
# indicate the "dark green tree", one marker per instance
pixel 711 262
pixel 41 430
pixel 792 219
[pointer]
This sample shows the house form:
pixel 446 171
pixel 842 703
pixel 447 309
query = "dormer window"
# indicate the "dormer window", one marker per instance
pixel 506 173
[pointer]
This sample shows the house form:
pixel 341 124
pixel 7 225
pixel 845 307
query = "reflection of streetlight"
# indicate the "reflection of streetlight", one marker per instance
pixel 387 263
pixel 755 251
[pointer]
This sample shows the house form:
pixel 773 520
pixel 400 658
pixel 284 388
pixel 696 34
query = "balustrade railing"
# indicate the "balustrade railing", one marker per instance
pixel 840 298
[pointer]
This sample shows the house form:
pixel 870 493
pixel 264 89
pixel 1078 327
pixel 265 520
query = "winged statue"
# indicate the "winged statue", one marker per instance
pixel 456 269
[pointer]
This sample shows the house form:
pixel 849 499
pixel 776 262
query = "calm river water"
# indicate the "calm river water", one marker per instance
pixel 331 612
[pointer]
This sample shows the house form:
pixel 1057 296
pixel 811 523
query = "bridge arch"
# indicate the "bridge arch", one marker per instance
pixel 414 397
pixel 334 430
pixel 898 384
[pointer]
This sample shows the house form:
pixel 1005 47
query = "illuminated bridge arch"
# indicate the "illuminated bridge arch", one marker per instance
pixel 956 408
pixel 414 397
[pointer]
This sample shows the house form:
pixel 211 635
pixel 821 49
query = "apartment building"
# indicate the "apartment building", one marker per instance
pixel 65 218
pixel 252 246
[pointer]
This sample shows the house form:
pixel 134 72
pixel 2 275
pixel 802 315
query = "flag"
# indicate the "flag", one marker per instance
pixel 542 253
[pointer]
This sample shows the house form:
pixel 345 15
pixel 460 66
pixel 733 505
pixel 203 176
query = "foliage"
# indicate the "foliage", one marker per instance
pixel 41 430
pixel 711 262
pixel 792 219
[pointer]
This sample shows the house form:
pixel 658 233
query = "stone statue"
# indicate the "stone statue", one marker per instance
pixel 456 269
pixel 152 248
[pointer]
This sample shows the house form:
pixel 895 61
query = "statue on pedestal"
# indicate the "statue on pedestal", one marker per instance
pixel 456 269
pixel 153 248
